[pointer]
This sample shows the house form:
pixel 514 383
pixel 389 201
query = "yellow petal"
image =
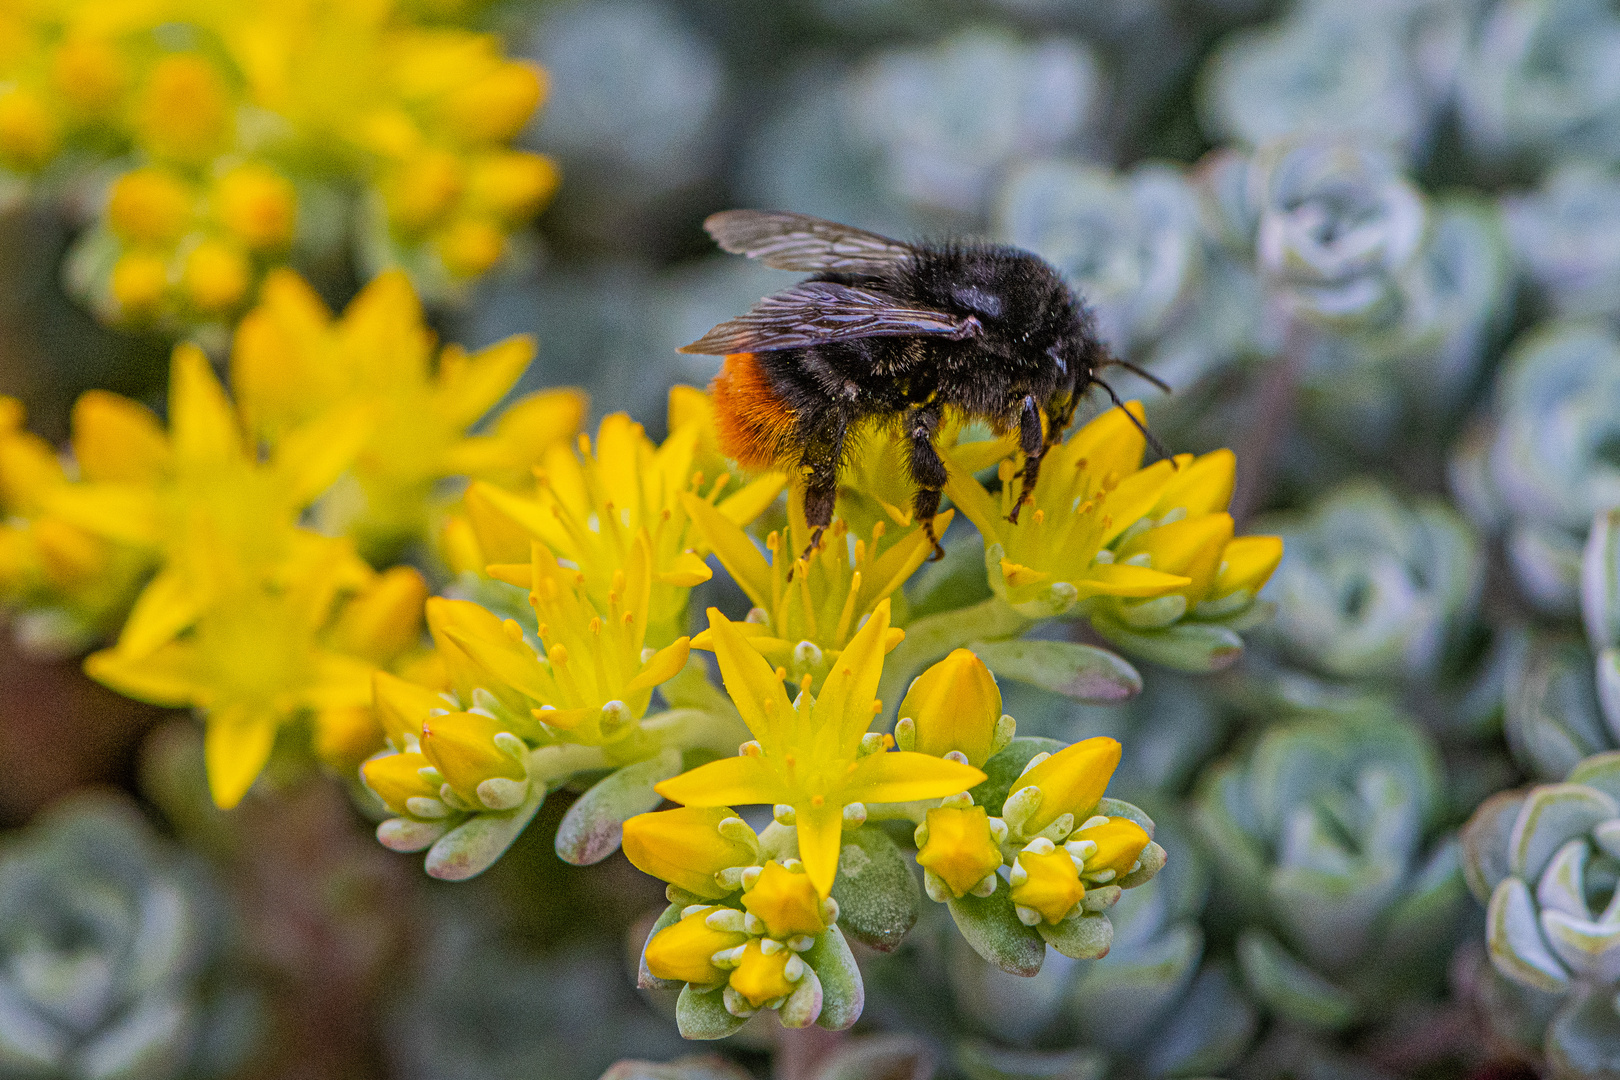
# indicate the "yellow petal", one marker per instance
pixel 1190 547
pixel 167 677
pixel 845 702
pixel 820 831
pixel 125 513
pixel 739 780
pixel 482 380
pixel 117 439
pixel 750 501
pixel 735 550
pixel 532 424
pixel 750 681
pixel 895 566
pixel 664 665
pixel 1201 485
pixel 686 570
pixel 901 776
pixel 203 426
pixel 309 459
pixel 386 619
pixel 1071 780
pixel 486 504
pixel 402 706
pixel 685 847
pixel 1118 579
pixel 1110 443
pixel 236 747
pixel 974 501
pixel 1133 498
pixel 512 662
pixel 170 602
pixel 1249 562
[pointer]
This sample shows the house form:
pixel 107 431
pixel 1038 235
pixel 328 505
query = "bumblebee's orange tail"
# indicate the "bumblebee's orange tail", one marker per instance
pixel 756 427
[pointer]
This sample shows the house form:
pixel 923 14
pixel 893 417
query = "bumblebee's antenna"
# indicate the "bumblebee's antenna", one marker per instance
pixel 1134 370
pixel 1153 440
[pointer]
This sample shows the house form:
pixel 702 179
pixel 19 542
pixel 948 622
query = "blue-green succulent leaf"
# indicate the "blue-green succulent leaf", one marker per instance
pixel 473 846
pixel 992 927
pixel 702 1014
pixel 1515 943
pixel 876 890
pixel 594 825
pixel 1289 987
pixel 1206 1032
pixel 1082 672
pixel 1551 816
pixel 843 994
pixel 1197 648
pixel 1080 936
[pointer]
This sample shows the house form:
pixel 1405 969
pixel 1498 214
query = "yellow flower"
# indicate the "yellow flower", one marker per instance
pixel 138 283
pixel 292 361
pixel 591 507
pixel 185 110
pixel 821 600
pixel 1108 848
pixel 760 976
pixel 689 845
pixel 807 754
pixel 685 952
pixel 257 205
pixel 1045 883
pixel 593 681
pixel 401 706
pixel 786 902
pixel 252 661
pixel 1091 489
pixel 954 707
pixel 215 276
pixel 1246 565
pixel 29 134
pixel 1069 782
pixel 958 848
pixel 220 519
pixel 149 205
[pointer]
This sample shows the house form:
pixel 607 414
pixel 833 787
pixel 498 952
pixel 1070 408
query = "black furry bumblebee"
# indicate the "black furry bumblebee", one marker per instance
pixel 896 333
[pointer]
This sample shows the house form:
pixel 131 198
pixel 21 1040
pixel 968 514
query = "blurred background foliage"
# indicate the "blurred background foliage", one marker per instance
pixel 1375 248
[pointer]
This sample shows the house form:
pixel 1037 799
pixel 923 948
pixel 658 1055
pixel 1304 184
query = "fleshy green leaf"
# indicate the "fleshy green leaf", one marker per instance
pixel 701 1014
pixel 594 825
pixel 1081 936
pixel 1082 672
pixel 877 894
pixel 843 994
pixel 1290 987
pixel 1004 768
pixel 991 926
pixel 1199 648
pixel 473 846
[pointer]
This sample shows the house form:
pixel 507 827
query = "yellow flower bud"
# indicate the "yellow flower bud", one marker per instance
pixel 394 778
pixel 955 705
pixel 185 109
pixel 1071 781
pixel 684 952
pixel 1201 485
pixel 685 848
pixel 495 107
pixel 785 902
pixel 1051 884
pixel 1119 844
pixel 69 554
pixel 960 849
pixel 1248 563
pixel 139 280
pixel 761 978
pixel 258 206
pixel 28 132
pixel 89 74
pixel 470 247
pixel 216 276
pixel 512 186
pixel 1190 547
pixel 423 191
pixel 386 619
pixel 345 735
pixel 461 745
pixel 29 472
pixel 148 206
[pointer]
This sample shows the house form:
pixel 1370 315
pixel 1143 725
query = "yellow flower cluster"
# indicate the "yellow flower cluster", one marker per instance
pixel 193 546
pixel 240 127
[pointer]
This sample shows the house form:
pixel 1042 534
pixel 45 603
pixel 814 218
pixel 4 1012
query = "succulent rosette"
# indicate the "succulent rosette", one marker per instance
pixel 1566 236
pixel 1540 465
pixel 1329 861
pixel 1371 587
pixel 1543 860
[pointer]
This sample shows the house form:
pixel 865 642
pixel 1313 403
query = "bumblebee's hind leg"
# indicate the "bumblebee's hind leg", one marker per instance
pixel 1031 442
pixel 927 470
pixel 820 460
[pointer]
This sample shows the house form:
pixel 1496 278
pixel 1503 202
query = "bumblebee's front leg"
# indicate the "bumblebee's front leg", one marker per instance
pixel 927 470
pixel 820 459
pixel 1031 442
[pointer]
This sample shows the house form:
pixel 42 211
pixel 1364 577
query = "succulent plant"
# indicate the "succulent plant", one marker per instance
pixel 1374 588
pixel 1544 862
pixel 1566 235
pixel 1324 841
pixel 1539 468
pixel 109 944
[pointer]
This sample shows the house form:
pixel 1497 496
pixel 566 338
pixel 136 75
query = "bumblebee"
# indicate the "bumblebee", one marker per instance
pixel 894 333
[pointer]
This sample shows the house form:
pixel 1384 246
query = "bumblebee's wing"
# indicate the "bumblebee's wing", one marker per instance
pixel 818 312
pixel 799 242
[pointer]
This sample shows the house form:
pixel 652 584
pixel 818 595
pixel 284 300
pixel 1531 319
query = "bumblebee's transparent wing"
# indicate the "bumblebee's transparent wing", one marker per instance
pixel 799 242
pixel 817 312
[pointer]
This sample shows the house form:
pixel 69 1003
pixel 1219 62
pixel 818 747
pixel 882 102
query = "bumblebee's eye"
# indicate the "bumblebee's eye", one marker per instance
pixel 1057 358
pixel 976 299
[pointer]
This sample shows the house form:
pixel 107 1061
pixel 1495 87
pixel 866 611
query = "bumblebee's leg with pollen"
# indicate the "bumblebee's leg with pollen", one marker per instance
pixel 822 454
pixel 927 470
pixel 1031 442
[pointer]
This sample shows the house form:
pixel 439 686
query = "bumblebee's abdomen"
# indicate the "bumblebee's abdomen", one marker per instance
pixel 757 428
